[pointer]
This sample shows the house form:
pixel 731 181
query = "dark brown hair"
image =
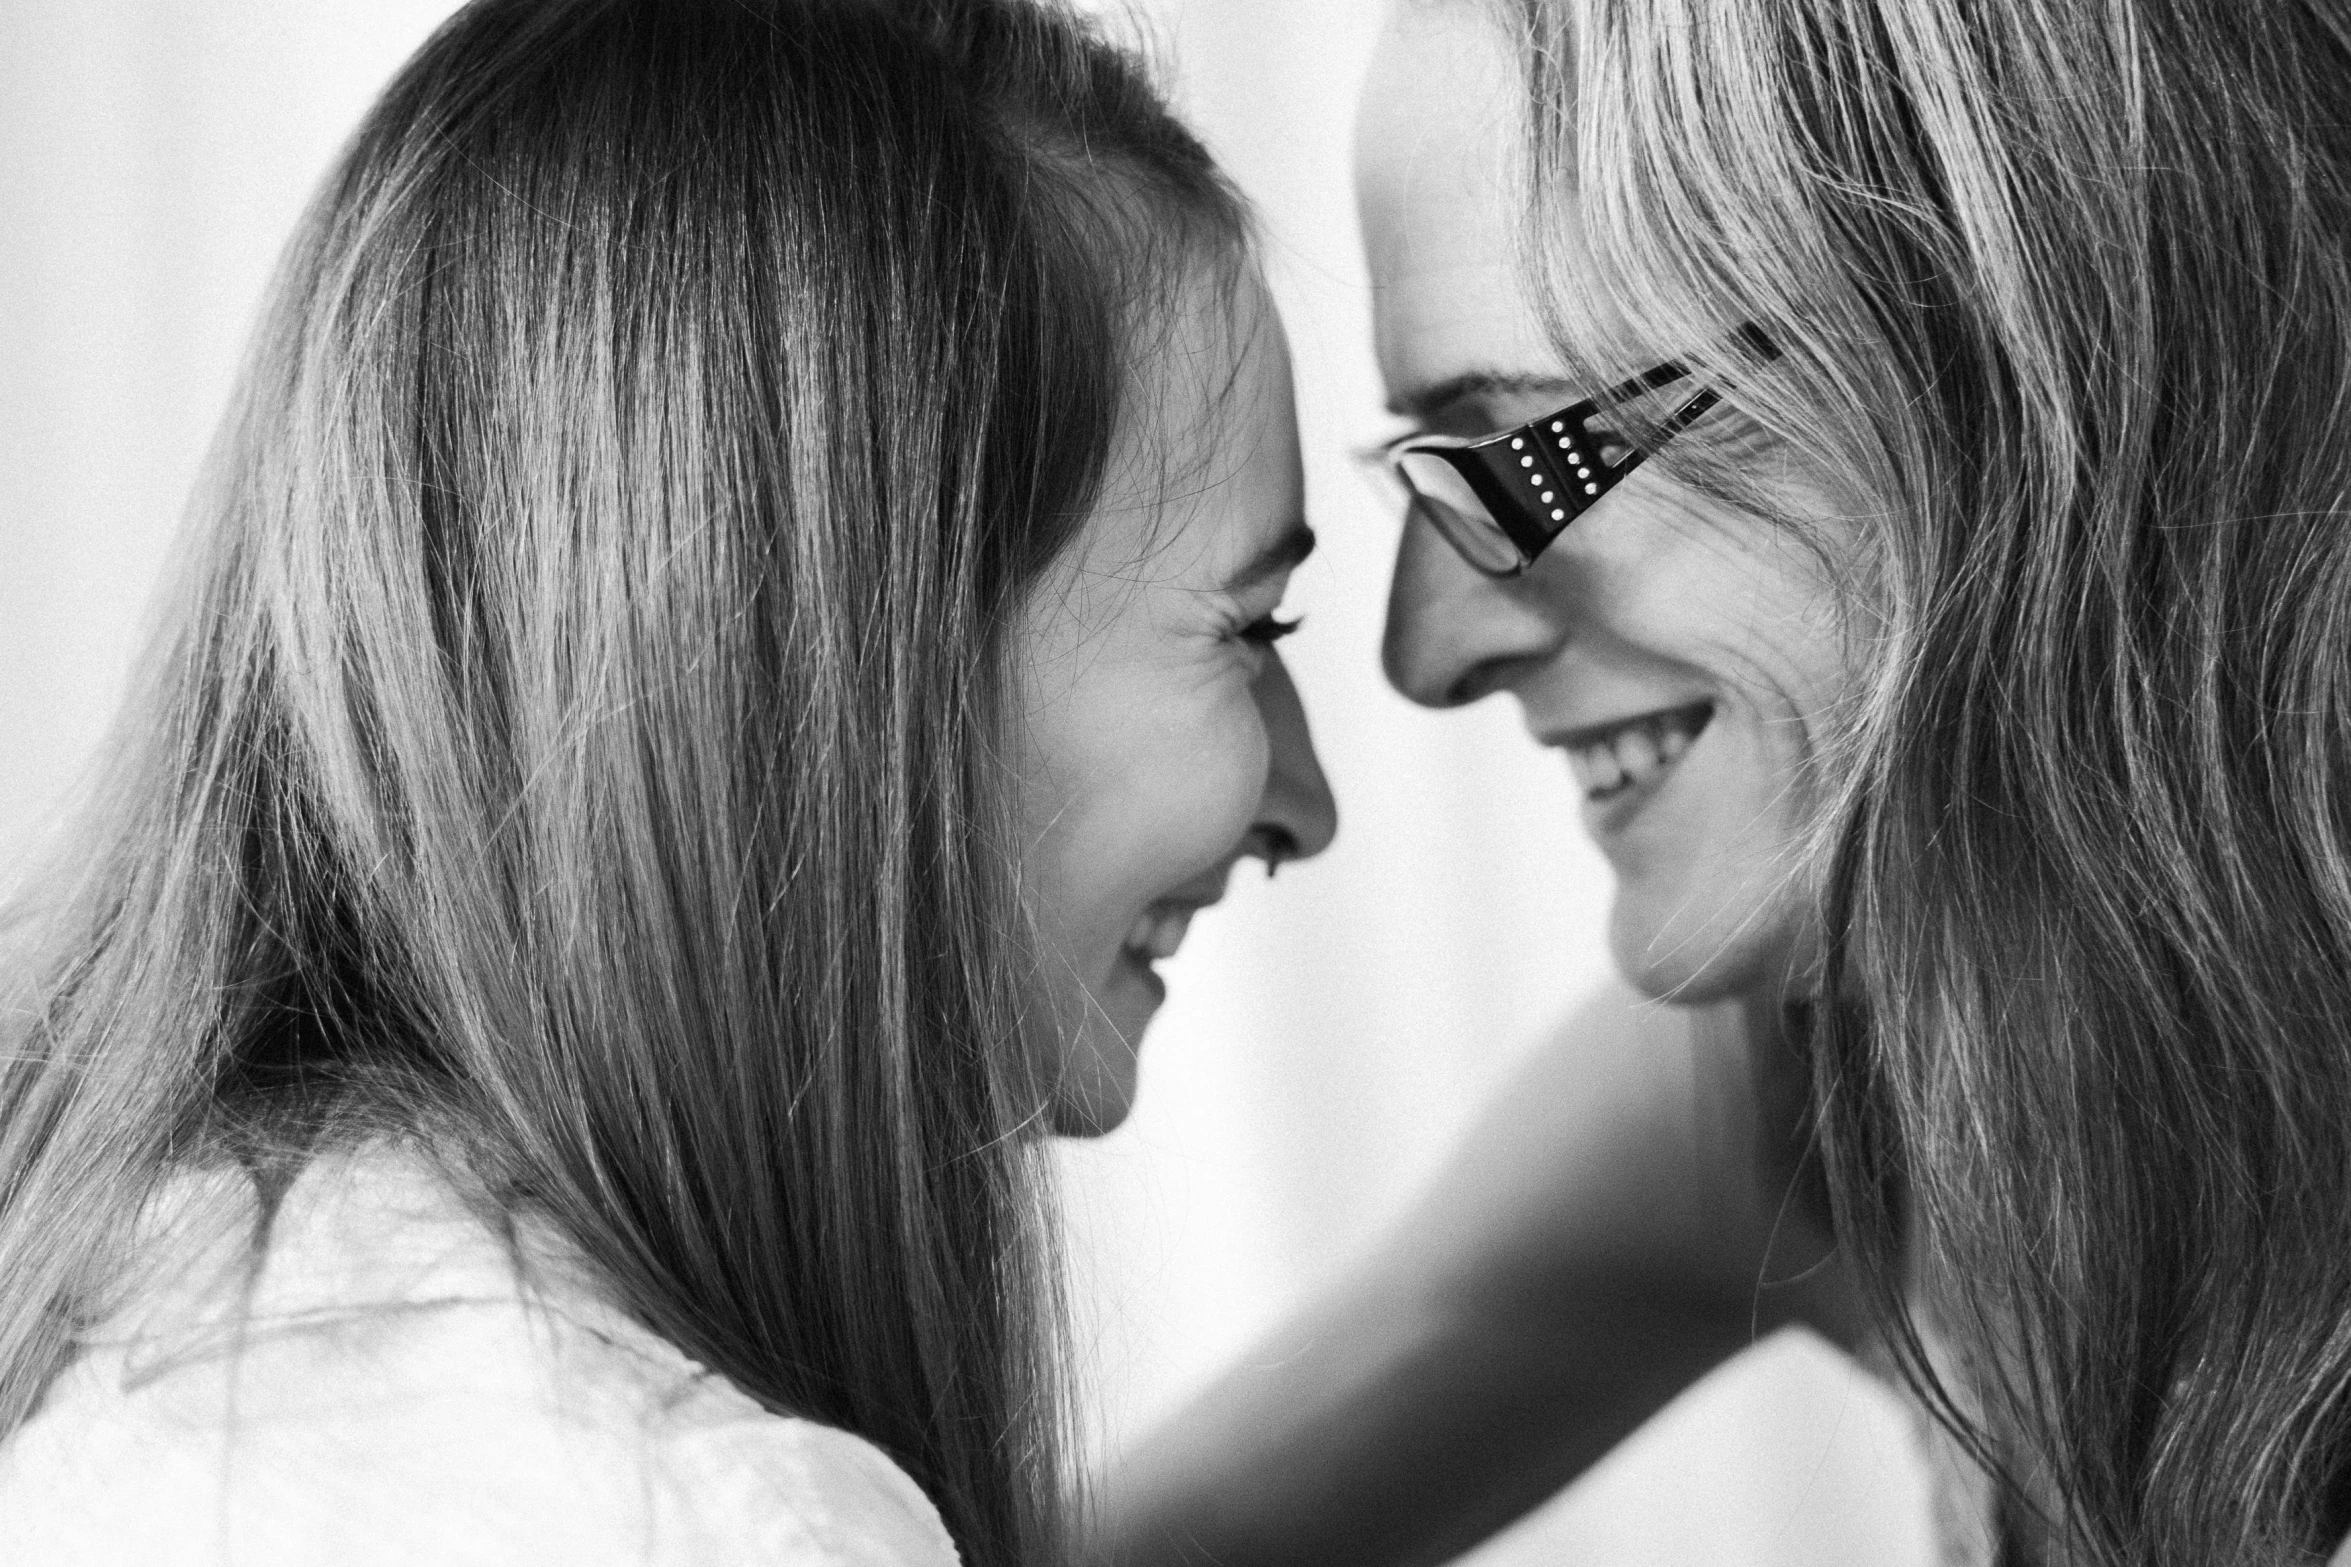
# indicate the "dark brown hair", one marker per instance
pixel 577 744
pixel 2062 290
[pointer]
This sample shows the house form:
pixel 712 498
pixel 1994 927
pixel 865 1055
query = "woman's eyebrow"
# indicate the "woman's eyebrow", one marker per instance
pixel 1435 402
pixel 1277 555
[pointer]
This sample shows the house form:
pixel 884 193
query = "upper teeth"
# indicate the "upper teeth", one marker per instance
pixel 1635 753
pixel 1157 933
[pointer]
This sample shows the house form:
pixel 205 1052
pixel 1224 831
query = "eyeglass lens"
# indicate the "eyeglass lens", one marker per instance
pixel 1454 510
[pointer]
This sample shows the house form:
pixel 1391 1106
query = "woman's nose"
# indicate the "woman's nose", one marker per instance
pixel 1296 817
pixel 1455 635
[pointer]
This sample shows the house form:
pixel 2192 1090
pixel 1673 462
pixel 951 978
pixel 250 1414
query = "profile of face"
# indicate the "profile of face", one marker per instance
pixel 1161 740
pixel 1680 655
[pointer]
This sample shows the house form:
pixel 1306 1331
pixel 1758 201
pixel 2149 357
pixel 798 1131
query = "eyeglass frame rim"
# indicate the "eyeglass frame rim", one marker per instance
pixel 1449 448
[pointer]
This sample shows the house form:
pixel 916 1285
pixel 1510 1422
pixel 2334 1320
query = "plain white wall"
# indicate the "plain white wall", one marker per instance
pixel 1327 1034
pixel 153 156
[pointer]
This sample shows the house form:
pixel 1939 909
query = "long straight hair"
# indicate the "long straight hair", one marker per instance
pixel 2062 290
pixel 578 742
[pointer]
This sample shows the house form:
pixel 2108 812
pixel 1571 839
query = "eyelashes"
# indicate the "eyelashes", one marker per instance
pixel 1266 632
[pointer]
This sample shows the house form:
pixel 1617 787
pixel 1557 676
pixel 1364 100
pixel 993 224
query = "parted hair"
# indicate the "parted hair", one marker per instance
pixel 576 741
pixel 2062 294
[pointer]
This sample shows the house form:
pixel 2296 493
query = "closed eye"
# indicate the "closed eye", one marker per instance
pixel 1269 630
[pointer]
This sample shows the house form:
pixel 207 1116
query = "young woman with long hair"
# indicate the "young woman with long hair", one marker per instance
pixel 1963 700
pixel 539 1046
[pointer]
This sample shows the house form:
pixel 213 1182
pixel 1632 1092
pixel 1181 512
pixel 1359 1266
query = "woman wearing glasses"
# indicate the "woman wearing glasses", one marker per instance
pixel 731 628
pixel 1962 699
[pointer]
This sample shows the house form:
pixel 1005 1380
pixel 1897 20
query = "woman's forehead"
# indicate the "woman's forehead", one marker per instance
pixel 1442 192
pixel 1211 384
pixel 1206 467
pixel 1440 149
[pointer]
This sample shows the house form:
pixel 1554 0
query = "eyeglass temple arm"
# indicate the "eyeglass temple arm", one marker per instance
pixel 1750 336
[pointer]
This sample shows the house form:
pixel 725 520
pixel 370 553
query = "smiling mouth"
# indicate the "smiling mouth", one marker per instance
pixel 1158 932
pixel 1615 759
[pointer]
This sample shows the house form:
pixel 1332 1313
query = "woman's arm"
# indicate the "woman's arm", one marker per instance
pixel 1624 1218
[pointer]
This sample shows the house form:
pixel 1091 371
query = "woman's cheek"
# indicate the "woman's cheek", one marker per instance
pixel 1228 772
pixel 1173 803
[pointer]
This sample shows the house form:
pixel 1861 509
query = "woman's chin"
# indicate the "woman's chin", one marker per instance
pixel 1093 1099
pixel 1095 1088
pixel 1667 951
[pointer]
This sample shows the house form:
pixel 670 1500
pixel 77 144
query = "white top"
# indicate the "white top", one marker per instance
pixel 397 1395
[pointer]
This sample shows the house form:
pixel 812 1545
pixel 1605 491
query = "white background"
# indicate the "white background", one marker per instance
pixel 1327 1036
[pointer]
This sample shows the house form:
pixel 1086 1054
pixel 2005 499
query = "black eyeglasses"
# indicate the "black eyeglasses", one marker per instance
pixel 1500 500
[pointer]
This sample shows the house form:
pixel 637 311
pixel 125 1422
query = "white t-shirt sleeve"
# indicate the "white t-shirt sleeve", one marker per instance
pixel 789 1493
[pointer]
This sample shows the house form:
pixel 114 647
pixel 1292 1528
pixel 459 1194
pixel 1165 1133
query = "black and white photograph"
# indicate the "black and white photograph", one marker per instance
pixel 1175 783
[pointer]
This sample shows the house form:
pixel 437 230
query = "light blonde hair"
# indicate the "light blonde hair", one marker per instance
pixel 2062 295
pixel 576 744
